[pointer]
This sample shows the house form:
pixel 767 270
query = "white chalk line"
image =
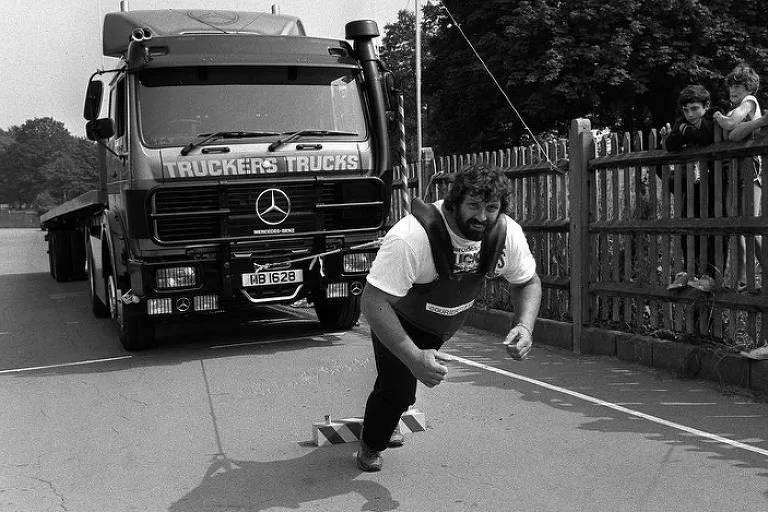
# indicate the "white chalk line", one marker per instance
pixel 63 365
pixel 319 337
pixel 615 407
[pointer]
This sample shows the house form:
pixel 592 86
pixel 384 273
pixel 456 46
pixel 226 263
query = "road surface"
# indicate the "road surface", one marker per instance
pixel 219 418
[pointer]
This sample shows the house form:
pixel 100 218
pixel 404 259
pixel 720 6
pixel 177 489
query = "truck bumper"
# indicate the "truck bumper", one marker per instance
pixel 232 285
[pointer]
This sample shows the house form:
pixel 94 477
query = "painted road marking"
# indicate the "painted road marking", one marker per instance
pixel 687 403
pixel 275 340
pixel 69 295
pixel 62 365
pixel 609 405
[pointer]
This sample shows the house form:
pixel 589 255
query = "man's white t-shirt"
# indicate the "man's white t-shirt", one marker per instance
pixel 405 256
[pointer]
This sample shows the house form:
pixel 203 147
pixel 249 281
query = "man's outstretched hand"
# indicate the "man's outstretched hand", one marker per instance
pixel 518 342
pixel 427 368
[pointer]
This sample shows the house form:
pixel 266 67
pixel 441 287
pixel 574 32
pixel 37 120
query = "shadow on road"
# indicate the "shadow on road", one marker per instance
pixel 321 474
pixel 45 323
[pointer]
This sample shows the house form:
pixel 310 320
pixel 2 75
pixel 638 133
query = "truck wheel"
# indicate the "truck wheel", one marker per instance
pixel 100 310
pixel 135 330
pixel 338 313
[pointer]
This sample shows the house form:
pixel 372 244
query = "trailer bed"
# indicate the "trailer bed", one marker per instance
pixel 84 204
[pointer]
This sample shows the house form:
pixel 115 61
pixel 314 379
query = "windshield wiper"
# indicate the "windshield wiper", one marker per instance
pixel 208 137
pixel 296 135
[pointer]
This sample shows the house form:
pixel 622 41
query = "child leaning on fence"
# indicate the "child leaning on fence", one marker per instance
pixel 742 83
pixel 695 128
pixel 740 123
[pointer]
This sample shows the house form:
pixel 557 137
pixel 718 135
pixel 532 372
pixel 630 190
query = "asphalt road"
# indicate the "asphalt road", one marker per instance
pixel 219 418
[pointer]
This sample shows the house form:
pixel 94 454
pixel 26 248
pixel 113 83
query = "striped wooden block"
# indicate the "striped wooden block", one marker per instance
pixel 347 430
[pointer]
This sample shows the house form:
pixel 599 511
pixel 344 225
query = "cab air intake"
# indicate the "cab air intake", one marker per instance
pixel 141 34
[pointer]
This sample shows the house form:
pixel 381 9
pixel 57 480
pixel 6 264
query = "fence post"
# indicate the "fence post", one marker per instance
pixel 581 148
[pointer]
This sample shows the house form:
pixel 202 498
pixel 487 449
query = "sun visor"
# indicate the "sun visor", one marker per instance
pixel 119 27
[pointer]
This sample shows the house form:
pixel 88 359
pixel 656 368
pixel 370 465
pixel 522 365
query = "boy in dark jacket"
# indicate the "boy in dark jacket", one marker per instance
pixel 696 127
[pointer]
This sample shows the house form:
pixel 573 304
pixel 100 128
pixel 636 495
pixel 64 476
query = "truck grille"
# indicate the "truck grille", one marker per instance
pixel 228 211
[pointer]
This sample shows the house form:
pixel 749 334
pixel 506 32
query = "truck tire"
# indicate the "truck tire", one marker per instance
pixel 340 313
pixel 100 310
pixel 135 330
pixel 66 254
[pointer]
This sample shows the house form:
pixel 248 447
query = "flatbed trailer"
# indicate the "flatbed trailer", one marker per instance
pixel 68 226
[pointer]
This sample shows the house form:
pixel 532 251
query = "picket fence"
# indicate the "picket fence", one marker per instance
pixel 616 219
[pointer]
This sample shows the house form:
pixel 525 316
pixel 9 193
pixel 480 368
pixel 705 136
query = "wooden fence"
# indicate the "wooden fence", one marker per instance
pixel 616 219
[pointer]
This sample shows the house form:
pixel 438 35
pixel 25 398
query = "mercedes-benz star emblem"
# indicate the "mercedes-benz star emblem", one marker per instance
pixel 182 304
pixel 273 206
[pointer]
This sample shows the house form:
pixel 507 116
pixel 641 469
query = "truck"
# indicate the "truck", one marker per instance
pixel 242 163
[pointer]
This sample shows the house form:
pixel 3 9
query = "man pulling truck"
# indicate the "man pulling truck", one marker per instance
pixel 426 276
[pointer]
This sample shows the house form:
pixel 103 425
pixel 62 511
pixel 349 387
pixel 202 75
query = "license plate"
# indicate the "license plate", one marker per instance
pixel 273 278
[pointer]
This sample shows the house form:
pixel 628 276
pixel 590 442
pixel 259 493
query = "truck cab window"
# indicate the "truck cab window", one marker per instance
pixel 177 104
pixel 118 108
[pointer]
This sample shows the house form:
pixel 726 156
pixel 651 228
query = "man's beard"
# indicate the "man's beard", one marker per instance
pixel 472 229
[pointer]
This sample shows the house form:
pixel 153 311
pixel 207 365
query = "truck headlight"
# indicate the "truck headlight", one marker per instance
pixel 175 277
pixel 358 262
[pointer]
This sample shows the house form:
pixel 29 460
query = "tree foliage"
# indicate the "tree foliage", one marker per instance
pixel 40 159
pixel 621 64
pixel 398 52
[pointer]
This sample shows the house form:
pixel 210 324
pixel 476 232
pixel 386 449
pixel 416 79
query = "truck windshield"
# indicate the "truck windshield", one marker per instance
pixel 176 105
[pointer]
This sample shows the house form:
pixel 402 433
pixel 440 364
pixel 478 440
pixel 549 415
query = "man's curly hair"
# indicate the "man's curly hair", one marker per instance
pixel 744 75
pixel 482 180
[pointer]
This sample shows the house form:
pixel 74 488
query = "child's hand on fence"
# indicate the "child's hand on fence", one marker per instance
pixel 665 130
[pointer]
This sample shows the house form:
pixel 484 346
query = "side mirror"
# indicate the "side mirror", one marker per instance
pixel 99 129
pixel 391 91
pixel 93 100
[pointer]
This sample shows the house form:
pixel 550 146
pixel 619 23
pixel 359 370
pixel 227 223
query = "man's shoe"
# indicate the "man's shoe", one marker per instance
pixel 396 440
pixel 367 459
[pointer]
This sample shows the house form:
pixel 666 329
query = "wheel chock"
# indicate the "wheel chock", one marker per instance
pixel 348 430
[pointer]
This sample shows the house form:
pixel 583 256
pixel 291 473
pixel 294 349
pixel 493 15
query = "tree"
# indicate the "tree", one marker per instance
pixel 398 53
pixel 44 160
pixel 620 64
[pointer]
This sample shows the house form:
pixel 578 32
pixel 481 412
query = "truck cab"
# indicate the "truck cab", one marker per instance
pixel 244 164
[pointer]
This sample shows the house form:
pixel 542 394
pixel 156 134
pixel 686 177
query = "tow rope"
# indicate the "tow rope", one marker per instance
pixel 266 266
pixel 503 93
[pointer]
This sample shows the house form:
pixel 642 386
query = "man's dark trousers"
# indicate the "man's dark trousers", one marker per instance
pixel 394 389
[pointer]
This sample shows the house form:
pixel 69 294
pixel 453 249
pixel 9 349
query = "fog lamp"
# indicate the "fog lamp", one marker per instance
pixel 159 307
pixel 206 302
pixel 336 290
